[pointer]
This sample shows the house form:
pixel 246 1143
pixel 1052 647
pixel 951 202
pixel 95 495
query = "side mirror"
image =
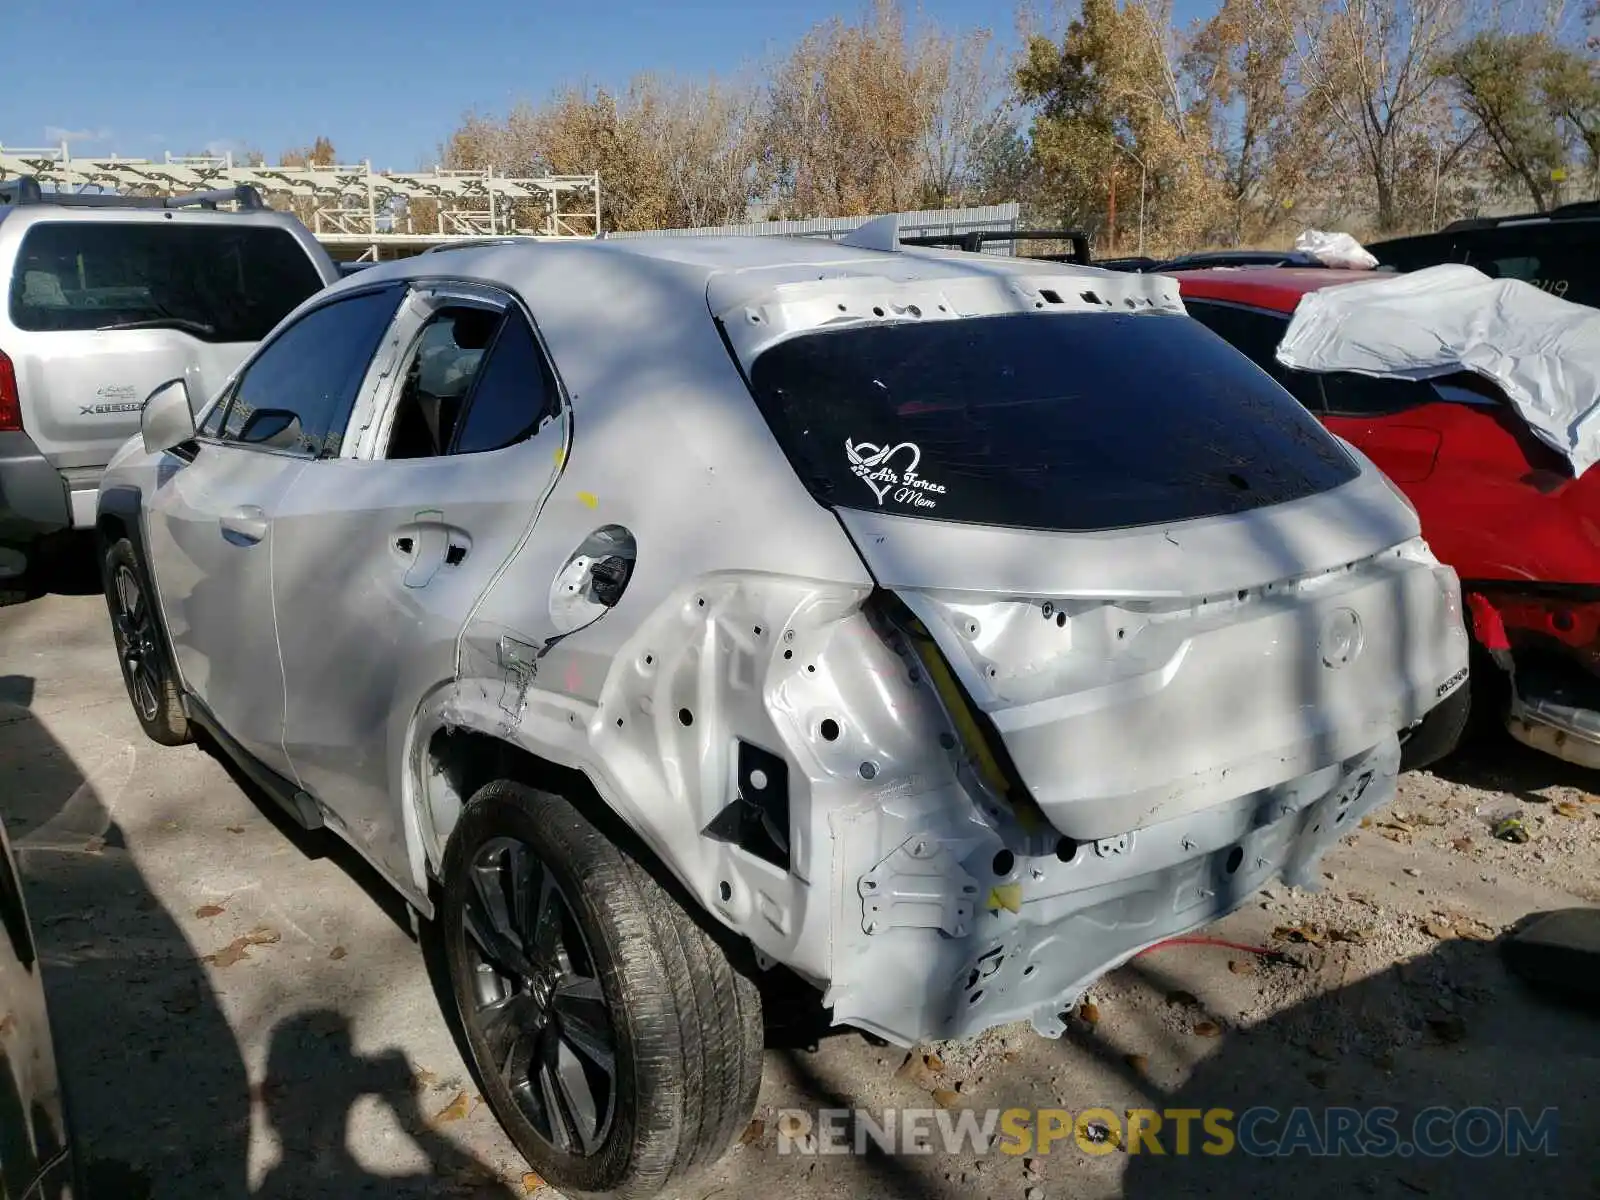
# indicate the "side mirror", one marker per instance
pixel 275 427
pixel 166 421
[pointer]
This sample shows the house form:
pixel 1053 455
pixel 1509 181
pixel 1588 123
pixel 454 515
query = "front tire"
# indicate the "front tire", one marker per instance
pixel 610 1034
pixel 146 671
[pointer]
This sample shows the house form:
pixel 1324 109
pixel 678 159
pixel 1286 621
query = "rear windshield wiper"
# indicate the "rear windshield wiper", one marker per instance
pixel 162 323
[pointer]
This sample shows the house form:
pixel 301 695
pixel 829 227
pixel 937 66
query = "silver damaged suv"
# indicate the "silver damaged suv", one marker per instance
pixel 657 614
pixel 101 298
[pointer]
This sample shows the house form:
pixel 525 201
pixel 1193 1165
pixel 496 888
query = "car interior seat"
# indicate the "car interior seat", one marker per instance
pixel 437 382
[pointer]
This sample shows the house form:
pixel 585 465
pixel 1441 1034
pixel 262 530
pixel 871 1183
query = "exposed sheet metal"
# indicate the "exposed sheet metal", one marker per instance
pixel 756 625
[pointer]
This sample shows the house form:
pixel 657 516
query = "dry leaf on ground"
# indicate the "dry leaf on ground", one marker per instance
pixel 456 1109
pixel 239 949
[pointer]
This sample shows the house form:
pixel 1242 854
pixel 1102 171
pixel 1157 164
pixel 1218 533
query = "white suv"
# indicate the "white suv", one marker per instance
pixel 944 628
pixel 101 298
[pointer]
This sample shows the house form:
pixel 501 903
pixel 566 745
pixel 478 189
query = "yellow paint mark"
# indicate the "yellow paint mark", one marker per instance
pixel 1029 815
pixel 561 455
pixel 1007 896
pixel 588 500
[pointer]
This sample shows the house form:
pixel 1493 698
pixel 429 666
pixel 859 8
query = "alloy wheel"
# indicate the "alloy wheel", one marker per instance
pixel 136 643
pixel 539 1008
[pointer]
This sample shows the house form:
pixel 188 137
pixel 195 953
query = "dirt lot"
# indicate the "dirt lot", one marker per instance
pixel 242 1012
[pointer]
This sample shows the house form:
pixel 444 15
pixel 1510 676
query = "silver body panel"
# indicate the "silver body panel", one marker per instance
pixel 1229 736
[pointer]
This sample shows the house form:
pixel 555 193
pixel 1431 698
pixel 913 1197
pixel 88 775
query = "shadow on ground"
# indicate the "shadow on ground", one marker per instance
pixel 160 1094
pixel 1429 1039
pixel 1495 761
pixel 65 564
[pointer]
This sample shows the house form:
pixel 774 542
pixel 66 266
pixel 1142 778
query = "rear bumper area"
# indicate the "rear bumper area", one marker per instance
pixel 33 498
pixel 1029 946
pixel 1548 636
pixel 1555 707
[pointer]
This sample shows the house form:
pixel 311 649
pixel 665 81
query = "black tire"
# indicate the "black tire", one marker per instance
pixel 146 671
pixel 1440 732
pixel 684 1026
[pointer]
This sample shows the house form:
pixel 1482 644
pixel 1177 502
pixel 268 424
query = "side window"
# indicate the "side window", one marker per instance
pixel 514 396
pixel 1558 258
pixel 443 369
pixel 297 394
pixel 1351 395
pixel 1467 387
pixel 1256 334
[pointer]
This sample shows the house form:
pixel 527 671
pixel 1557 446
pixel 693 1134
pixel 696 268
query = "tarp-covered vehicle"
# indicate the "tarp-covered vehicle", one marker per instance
pixel 944 628
pixel 1480 398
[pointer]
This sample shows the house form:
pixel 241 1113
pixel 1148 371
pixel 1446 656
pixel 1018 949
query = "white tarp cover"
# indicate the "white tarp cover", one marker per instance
pixel 1543 352
pixel 1335 250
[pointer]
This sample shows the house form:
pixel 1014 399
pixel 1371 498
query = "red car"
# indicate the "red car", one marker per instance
pixel 1496 504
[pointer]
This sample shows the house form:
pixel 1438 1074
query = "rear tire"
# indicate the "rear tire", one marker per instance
pixel 616 1043
pixel 146 671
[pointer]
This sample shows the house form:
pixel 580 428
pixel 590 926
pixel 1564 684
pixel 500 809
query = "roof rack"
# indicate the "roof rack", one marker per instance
pixel 468 243
pixel 973 241
pixel 25 189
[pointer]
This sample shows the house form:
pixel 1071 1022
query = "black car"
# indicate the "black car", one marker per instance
pixel 1558 251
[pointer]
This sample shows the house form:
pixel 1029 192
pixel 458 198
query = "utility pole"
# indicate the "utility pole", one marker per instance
pixel 1143 179
pixel 1111 218
pixel 1437 153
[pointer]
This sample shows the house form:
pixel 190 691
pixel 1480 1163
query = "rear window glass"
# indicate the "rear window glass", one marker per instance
pixel 1063 422
pixel 216 282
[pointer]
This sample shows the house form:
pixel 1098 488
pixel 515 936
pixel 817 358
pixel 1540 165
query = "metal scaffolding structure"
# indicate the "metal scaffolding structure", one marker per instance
pixel 349 207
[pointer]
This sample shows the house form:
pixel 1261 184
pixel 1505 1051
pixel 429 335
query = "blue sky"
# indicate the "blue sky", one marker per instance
pixel 386 81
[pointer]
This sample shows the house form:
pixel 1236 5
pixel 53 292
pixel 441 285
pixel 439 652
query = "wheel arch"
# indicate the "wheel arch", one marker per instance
pixel 119 513
pixel 456 747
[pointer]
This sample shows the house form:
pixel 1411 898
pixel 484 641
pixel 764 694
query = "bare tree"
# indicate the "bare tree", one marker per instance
pixel 966 113
pixel 706 142
pixel 1370 64
pixel 1271 141
pixel 857 114
pixel 1113 115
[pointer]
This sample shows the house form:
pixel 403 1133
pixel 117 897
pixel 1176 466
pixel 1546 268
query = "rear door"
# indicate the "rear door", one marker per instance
pixel 211 519
pixel 380 554
pixel 105 306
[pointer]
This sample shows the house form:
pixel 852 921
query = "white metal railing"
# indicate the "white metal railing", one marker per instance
pixel 349 202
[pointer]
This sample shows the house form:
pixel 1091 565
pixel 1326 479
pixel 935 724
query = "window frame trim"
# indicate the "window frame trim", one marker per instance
pixel 380 389
pixel 230 390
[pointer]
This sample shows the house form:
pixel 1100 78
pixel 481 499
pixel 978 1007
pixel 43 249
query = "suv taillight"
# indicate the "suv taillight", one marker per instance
pixel 10 404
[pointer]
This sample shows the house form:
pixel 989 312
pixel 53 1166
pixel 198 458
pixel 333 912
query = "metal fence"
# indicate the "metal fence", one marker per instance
pixel 1002 217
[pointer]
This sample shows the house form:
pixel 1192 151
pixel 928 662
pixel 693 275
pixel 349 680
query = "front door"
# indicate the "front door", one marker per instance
pixel 210 547
pixel 382 554
pixel 212 540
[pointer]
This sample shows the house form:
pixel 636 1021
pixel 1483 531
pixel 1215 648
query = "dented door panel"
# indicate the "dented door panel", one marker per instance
pixel 378 566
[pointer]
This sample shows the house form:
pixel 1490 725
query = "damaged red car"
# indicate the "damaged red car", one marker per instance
pixel 1497 503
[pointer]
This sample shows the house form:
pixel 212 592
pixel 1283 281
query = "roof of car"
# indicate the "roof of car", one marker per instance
pixel 749 264
pixel 1278 288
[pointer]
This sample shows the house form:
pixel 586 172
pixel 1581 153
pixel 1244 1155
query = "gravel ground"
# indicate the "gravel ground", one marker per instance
pixel 241 1011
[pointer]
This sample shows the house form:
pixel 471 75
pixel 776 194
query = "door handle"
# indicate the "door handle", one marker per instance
pixel 421 546
pixel 245 525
